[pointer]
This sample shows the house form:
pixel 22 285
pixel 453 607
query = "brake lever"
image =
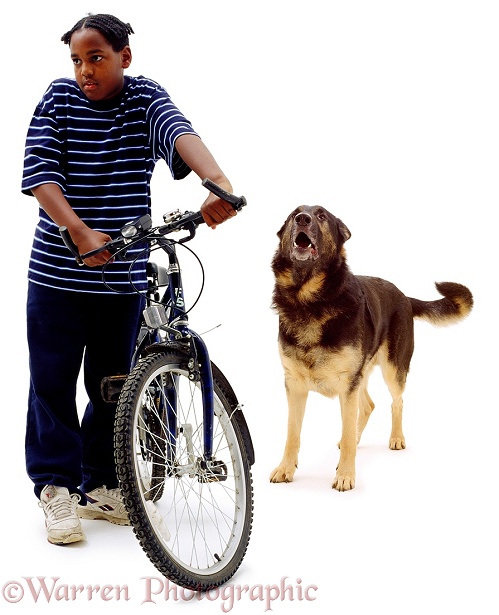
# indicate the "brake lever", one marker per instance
pixel 79 258
pixel 191 227
pixel 109 247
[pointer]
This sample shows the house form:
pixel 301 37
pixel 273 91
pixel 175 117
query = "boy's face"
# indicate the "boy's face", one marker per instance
pixel 98 68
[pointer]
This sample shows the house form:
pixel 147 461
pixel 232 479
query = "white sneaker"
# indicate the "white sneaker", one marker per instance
pixel 61 520
pixel 106 504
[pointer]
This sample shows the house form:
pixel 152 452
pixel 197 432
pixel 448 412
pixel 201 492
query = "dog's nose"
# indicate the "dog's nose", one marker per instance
pixel 303 219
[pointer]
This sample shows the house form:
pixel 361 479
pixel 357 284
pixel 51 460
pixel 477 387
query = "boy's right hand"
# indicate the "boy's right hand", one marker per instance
pixel 86 240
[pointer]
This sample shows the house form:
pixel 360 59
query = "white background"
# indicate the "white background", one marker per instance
pixel 385 112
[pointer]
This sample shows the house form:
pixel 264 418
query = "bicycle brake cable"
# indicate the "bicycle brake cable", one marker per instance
pixel 139 255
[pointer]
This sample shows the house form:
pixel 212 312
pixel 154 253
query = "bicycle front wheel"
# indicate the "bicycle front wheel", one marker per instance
pixel 192 519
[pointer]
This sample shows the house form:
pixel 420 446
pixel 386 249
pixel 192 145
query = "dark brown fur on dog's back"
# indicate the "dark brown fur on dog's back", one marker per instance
pixel 334 327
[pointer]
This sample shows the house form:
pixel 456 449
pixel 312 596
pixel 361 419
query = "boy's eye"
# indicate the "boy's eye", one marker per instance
pixel 77 61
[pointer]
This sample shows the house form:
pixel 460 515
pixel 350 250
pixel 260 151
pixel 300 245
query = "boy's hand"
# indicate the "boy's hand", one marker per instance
pixel 215 211
pixel 87 240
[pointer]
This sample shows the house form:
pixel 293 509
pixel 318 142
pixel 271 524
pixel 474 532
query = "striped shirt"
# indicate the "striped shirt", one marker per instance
pixel 102 155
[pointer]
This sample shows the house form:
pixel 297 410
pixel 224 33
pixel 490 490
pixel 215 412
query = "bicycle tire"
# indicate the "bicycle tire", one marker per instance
pixel 193 524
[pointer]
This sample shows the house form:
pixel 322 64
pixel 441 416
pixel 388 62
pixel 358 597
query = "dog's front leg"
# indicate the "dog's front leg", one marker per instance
pixel 297 400
pixel 345 472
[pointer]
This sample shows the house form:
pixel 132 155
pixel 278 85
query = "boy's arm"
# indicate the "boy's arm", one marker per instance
pixel 53 202
pixel 195 154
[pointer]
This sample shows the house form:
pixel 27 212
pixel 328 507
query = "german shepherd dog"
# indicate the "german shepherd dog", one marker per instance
pixel 334 327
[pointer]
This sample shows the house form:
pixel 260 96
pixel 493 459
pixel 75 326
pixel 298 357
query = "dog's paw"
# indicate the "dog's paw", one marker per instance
pixel 343 482
pixel 397 443
pixel 282 474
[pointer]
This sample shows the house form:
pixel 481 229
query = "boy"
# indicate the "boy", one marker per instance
pixel 90 152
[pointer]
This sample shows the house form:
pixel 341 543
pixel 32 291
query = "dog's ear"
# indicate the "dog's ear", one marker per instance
pixel 280 232
pixel 345 234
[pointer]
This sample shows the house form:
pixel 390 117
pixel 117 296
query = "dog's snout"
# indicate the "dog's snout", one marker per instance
pixel 303 219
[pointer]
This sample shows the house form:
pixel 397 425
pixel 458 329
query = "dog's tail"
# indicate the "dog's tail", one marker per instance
pixel 456 304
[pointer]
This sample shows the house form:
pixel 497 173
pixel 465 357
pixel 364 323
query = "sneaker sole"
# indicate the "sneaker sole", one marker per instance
pixel 75 537
pixel 99 516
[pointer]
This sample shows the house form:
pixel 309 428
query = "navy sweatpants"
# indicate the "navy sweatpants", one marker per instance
pixel 65 329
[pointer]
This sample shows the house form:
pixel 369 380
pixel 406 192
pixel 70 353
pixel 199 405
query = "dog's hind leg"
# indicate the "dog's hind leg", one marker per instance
pixel 394 359
pixel 397 440
pixel 395 381
pixel 366 406
pixel 297 395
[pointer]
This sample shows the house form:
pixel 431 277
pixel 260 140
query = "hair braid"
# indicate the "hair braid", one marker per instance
pixel 115 31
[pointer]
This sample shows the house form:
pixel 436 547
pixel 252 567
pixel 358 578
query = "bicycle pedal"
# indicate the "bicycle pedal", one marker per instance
pixel 110 388
pixel 216 472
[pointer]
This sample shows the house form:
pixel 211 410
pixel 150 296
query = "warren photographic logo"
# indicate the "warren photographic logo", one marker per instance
pixel 156 590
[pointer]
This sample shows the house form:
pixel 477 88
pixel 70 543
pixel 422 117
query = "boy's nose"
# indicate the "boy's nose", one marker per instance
pixel 86 69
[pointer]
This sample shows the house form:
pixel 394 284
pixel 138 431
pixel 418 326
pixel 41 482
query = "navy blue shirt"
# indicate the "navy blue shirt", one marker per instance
pixel 102 155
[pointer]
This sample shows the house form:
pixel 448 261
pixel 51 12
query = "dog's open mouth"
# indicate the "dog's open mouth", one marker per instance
pixel 304 248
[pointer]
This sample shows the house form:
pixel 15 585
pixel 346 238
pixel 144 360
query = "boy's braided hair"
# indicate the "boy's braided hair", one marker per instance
pixel 115 31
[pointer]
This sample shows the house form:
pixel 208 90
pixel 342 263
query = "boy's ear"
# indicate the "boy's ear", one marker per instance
pixel 126 56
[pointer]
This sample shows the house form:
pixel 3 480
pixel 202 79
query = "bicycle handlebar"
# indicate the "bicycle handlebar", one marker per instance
pixel 142 227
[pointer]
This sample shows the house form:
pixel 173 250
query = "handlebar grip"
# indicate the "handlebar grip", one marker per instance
pixel 237 202
pixel 70 244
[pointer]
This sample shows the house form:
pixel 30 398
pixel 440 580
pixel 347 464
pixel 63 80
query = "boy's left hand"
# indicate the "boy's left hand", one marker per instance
pixel 215 211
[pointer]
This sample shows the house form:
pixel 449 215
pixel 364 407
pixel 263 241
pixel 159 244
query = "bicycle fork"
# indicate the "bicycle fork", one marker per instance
pixel 205 468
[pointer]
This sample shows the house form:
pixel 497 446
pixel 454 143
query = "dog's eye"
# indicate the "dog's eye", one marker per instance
pixel 321 216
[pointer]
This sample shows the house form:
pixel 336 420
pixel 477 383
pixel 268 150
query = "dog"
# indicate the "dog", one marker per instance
pixel 335 327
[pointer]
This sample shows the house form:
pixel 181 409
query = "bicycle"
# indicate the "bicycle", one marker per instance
pixel 183 450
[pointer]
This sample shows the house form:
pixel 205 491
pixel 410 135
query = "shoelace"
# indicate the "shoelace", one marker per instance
pixel 60 507
pixel 116 492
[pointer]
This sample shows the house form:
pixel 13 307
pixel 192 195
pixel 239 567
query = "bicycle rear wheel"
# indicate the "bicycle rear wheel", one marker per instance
pixel 193 520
